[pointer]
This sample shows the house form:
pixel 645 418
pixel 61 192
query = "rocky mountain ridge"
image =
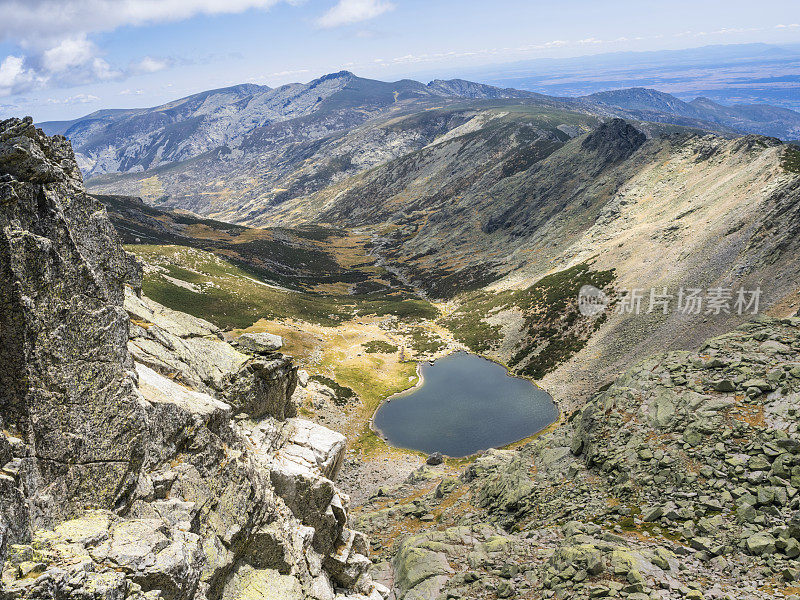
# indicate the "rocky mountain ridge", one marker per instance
pixel 226 118
pixel 142 455
pixel 230 118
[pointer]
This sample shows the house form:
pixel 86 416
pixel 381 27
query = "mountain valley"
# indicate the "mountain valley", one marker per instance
pixel 256 270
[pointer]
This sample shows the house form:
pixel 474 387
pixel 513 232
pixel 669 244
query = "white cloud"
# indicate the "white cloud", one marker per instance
pixel 289 73
pixel 71 52
pixel 68 63
pixel 15 77
pixel 346 12
pixel 150 64
pixel 20 74
pixel 10 70
pixel 76 99
pixel 103 71
pixel 34 21
pixel 53 36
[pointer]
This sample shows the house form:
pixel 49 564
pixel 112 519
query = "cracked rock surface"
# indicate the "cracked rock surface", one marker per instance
pixel 141 456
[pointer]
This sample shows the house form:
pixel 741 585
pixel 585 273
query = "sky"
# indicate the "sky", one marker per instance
pixel 60 59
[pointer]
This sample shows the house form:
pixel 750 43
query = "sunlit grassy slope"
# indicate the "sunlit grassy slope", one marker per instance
pixel 208 286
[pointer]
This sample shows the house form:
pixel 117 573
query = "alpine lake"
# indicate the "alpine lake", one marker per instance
pixel 464 404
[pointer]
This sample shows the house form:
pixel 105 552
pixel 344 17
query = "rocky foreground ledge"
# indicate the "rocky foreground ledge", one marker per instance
pixel 141 455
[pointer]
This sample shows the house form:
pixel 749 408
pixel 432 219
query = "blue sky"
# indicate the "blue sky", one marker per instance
pixel 65 58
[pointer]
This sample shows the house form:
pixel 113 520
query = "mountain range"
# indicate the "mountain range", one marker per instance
pixel 468 192
pixel 147 454
pixel 238 117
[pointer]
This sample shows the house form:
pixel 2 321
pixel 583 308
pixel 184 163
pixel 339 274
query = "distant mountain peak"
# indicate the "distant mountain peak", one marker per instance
pixel 332 76
pixel 471 89
pixel 451 81
pixel 631 93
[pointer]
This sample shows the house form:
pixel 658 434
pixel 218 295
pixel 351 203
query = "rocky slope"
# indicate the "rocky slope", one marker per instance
pixel 238 153
pixel 678 481
pixel 142 456
pixel 286 160
pixel 507 203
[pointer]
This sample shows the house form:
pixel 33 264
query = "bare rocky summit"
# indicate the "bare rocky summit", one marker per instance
pixel 141 455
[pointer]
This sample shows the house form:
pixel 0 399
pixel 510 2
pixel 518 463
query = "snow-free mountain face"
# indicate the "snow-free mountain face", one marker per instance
pixel 488 194
pixel 752 118
pixel 135 141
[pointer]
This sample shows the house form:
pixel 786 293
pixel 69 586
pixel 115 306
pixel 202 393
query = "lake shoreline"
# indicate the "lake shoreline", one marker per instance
pixel 420 383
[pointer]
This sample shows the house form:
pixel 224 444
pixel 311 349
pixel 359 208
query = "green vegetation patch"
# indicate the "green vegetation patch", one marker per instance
pixel 234 296
pixel 469 326
pixel 447 284
pixel 289 257
pixel 791 159
pixel 424 341
pixel 554 330
pixel 226 294
pixel 398 306
pixel 379 347
pixel 343 393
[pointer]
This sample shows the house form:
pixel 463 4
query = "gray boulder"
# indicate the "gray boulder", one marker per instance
pixel 435 459
pixel 184 347
pixel 192 351
pixel 263 387
pixel 260 342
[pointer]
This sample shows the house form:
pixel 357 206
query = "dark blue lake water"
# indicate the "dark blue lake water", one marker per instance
pixel 466 404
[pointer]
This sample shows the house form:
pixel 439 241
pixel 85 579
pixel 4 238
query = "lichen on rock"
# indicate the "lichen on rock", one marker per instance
pixel 129 464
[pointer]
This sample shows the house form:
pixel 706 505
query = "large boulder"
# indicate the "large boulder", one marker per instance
pixel 261 343
pixel 193 352
pixel 173 343
pixel 66 387
pixel 301 457
pixel 263 387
